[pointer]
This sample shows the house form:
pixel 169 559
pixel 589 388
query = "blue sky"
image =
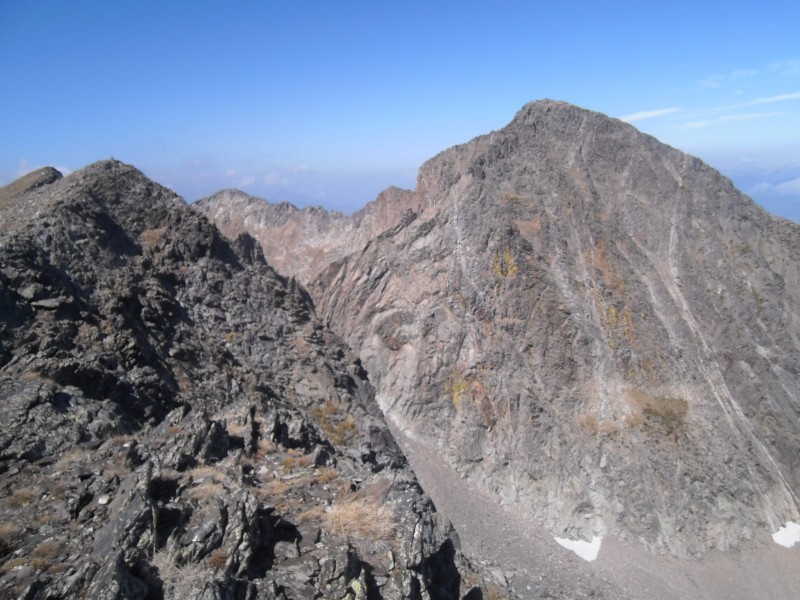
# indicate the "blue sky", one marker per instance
pixel 327 103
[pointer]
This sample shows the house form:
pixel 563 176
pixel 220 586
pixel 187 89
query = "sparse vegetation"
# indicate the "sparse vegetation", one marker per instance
pixel 9 538
pixel 660 411
pixel 457 387
pixel 325 475
pixel 22 498
pixel 150 237
pixel 338 430
pixel 180 580
pixel 654 413
pixel 503 265
pixel 311 515
pixel 364 523
pixel 218 559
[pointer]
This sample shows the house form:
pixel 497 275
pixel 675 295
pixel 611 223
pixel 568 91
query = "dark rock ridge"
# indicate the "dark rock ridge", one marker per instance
pixel 178 424
pixel 595 326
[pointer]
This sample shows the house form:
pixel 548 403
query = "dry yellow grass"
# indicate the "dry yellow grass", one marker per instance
pixel 311 515
pixel 22 498
pixel 150 237
pixel 206 490
pixel 71 458
pixel 364 523
pixel 263 448
pixel 179 579
pixel 329 417
pixel 276 487
pixel 325 475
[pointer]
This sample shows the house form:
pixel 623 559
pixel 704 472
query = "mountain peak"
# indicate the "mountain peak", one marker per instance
pixel 581 285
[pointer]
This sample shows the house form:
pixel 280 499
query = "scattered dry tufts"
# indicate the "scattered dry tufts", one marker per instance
pixel 218 559
pixel 364 523
pixel 338 429
pixel 22 498
pixel 325 475
pixel 179 579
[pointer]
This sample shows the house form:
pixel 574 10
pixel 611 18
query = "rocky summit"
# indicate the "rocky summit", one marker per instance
pixel 592 327
pixel 177 423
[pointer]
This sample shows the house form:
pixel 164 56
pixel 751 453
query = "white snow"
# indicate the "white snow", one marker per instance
pixel 787 536
pixel 586 550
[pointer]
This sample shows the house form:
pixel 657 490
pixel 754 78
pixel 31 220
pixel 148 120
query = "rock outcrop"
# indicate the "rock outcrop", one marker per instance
pixel 177 423
pixel 594 326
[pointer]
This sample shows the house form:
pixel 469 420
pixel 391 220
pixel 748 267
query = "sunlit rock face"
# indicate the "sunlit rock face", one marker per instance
pixel 587 322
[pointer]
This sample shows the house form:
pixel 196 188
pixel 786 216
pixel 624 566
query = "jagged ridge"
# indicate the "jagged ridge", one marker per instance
pixel 177 423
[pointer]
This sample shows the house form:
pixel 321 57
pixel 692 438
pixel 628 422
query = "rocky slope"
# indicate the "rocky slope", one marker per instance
pixel 178 424
pixel 594 326
pixel 308 239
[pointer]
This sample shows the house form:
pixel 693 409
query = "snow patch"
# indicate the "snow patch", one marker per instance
pixel 586 550
pixel 787 536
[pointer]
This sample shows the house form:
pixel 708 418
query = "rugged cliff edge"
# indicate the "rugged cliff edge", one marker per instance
pixel 177 423
pixel 595 326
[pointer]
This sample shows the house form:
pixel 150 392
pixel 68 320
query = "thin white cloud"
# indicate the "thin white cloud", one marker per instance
pixel 789 68
pixel 729 119
pixel 649 114
pixel 712 82
pixel 766 100
pixel 24 167
pixel 743 74
pixel 783 68
pixel 787 188
pixel 271 178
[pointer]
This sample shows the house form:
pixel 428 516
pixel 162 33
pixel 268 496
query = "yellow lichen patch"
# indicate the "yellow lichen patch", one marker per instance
pixel 622 319
pixel 469 393
pixel 503 265
pixel 612 315
pixel 457 387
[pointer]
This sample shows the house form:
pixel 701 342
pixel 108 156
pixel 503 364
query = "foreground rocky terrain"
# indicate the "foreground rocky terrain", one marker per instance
pixel 178 424
pixel 592 326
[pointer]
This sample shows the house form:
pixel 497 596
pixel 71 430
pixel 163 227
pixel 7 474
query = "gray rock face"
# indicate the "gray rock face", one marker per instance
pixel 594 326
pixel 178 424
